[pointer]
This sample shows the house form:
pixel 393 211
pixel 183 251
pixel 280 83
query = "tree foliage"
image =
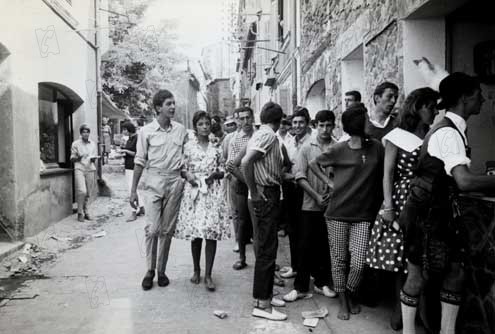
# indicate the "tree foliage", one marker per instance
pixel 143 58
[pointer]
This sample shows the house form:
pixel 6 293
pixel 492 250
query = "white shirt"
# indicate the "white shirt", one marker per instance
pixel 447 144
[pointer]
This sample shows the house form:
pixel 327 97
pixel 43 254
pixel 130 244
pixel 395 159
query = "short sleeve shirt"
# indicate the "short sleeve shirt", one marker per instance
pixel 308 152
pixel 85 151
pixel 161 148
pixel 448 145
pixel 267 170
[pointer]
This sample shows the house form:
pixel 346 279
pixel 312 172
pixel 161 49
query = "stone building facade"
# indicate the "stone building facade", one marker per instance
pixel 219 97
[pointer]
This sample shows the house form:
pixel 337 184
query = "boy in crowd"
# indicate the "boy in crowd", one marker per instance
pixel 314 253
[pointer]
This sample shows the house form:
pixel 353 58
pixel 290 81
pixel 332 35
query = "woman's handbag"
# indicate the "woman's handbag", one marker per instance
pixel 386 246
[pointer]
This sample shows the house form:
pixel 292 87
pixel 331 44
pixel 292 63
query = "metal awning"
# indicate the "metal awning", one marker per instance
pixel 110 110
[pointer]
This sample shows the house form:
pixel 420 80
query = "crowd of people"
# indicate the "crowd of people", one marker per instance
pixel 382 197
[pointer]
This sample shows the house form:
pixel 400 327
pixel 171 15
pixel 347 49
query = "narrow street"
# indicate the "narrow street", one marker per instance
pixel 91 284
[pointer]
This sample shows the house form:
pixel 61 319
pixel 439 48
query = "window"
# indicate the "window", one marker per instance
pixel 55 127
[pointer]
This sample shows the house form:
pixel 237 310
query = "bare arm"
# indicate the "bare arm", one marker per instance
pixel 468 181
pixel 388 173
pixel 316 168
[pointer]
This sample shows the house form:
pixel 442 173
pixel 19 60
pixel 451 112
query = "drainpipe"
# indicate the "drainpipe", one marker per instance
pixel 98 86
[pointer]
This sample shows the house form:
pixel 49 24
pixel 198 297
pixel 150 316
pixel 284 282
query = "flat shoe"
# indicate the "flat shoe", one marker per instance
pixel 277 302
pixel 210 286
pixel 239 265
pixel 273 315
pixel 289 274
pixel 163 280
pixel 294 295
pixel 148 280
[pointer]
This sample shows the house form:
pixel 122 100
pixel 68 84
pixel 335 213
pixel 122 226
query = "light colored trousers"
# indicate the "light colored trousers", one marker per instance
pixel 85 182
pixel 129 175
pixel 162 203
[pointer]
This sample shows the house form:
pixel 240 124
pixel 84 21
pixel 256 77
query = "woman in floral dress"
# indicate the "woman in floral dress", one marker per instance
pixel 402 147
pixel 202 213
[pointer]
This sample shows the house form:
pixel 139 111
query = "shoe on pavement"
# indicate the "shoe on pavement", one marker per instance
pixel 277 302
pixel 148 280
pixel 273 315
pixel 294 295
pixel 87 216
pixel 163 280
pixel 132 217
pixel 140 211
pixel 284 269
pixel 80 217
pixel 238 265
pixel 289 274
pixel 325 291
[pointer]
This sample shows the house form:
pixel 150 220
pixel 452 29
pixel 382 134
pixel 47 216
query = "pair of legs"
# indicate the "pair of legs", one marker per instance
pixel 293 195
pixel 348 243
pixel 245 229
pixel 85 182
pixel 265 225
pixel 162 206
pixel 314 254
pixel 450 297
pixel 210 251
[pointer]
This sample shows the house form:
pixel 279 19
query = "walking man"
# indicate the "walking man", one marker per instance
pixel 83 154
pixel 262 168
pixel 160 148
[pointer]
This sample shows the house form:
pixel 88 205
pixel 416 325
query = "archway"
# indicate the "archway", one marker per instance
pixel 315 98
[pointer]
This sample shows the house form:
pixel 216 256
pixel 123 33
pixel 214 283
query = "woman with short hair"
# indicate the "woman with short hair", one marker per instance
pixel 354 202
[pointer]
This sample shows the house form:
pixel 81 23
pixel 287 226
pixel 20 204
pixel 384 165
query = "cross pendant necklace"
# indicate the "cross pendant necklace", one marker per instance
pixel 363 157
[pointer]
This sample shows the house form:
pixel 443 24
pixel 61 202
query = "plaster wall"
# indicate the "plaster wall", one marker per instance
pixel 43 49
pixel 422 38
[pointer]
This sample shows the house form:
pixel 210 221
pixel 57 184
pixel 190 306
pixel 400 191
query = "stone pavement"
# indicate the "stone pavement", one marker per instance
pixel 93 286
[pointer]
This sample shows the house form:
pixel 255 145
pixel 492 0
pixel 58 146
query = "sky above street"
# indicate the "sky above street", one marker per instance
pixel 199 22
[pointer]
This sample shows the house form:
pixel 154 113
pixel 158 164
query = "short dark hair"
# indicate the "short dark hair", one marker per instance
pixel 380 89
pixel 199 115
pixel 325 116
pixel 244 109
pixel 129 127
pixel 454 86
pixel 409 116
pixel 160 97
pixel 355 94
pixel 354 120
pixel 271 113
pixel 303 112
pixel 84 127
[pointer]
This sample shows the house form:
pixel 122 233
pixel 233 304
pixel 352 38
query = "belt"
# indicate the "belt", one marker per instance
pixel 164 172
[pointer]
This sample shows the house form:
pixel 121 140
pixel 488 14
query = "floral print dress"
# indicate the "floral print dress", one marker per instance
pixel 203 212
pixel 386 246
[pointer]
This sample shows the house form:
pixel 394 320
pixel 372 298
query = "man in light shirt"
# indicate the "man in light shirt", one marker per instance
pixel 83 154
pixel 160 148
pixel 431 217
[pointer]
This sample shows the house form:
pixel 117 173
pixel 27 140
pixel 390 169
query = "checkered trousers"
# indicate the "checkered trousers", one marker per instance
pixel 348 243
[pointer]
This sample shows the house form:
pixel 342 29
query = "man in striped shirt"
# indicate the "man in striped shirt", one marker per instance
pixel 262 169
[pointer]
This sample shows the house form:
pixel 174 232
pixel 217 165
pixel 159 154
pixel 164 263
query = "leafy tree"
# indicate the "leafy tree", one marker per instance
pixel 142 60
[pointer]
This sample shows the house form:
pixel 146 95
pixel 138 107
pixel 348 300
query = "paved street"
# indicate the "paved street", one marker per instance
pixel 93 286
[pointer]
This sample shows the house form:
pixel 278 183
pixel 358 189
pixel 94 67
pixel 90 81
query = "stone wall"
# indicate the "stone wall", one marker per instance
pixel 331 30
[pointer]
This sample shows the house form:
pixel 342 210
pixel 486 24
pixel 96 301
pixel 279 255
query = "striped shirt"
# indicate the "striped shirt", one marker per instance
pixel 268 170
